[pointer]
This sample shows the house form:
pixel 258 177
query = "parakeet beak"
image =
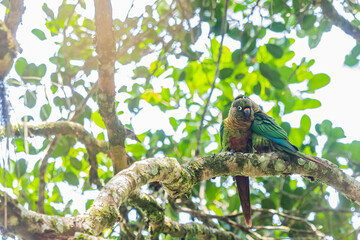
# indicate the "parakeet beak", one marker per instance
pixel 247 112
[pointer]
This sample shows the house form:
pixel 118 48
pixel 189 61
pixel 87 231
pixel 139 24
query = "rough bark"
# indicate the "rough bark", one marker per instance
pixel 105 48
pixel 177 179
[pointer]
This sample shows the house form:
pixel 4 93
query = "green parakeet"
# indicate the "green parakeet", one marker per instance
pixel 269 136
pixel 235 135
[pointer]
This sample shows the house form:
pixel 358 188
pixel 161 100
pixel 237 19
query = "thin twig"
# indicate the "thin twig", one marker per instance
pixel 82 105
pixel 42 170
pixel 223 29
pixel 132 5
pixel 295 70
pixel 224 219
pixel 272 211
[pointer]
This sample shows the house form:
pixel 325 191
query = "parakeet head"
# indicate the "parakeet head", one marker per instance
pixel 242 109
pixel 255 107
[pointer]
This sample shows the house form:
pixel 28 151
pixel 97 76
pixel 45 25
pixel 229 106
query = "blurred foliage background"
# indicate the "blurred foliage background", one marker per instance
pixel 168 71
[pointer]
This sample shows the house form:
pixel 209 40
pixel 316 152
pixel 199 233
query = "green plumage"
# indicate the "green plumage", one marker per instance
pixel 269 136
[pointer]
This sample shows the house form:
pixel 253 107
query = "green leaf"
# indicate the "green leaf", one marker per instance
pixel 286 202
pixel 308 22
pixel 277 27
pixel 268 203
pixel 275 50
pixel 302 104
pixel 96 117
pixel 48 11
pixel 324 127
pixel 173 123
pixel 71 178
pixel 286 126
pixel 89 203
pixel 56 195
pixel 240 7
pixel 65 10
pixel 14 82
pixel 272 75
pixel 237 56
pixel 318 81
pixel 225 73
pixel 40 34
pixel 30 98
pixel 75 163
pixel 141 72
pixel 257 88
pixel 63 146
pixel 239 76
pixel 41 70
pixel 20 168
pixel 350 60
pixel 305 123
pixel 45 112
pixel 20 65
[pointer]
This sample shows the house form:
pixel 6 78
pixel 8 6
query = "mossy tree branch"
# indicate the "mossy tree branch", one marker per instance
pixel 46 129
pixel 30 225
pixel 76 130
pixel 179 179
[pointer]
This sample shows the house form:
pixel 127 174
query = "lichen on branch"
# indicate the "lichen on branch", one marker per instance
pixel 179 179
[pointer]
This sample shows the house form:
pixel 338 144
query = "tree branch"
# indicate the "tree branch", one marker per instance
pixel 177 179
pixel 193 229
pixel 313 229
pixel 30 225
pixel 331 14
pixel 42 169
pixel 105 48
pixel 225 219
pixel 13 18
pixel 73 129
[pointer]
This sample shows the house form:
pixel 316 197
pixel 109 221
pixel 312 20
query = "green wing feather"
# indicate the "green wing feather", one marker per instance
pixel 265 125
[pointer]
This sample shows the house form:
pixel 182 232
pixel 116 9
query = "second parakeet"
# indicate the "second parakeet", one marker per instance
pixel 269 136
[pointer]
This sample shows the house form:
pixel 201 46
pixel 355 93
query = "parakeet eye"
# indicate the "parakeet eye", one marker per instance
pixel 239 108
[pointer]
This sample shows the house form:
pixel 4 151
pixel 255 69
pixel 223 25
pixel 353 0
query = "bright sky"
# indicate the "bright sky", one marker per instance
pixel 339 99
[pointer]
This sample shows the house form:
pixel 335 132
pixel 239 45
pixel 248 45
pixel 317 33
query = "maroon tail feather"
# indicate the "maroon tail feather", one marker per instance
pixel 243 187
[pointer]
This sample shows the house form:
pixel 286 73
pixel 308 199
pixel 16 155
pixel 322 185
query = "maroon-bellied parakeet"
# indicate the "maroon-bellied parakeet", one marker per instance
pixel 235 135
